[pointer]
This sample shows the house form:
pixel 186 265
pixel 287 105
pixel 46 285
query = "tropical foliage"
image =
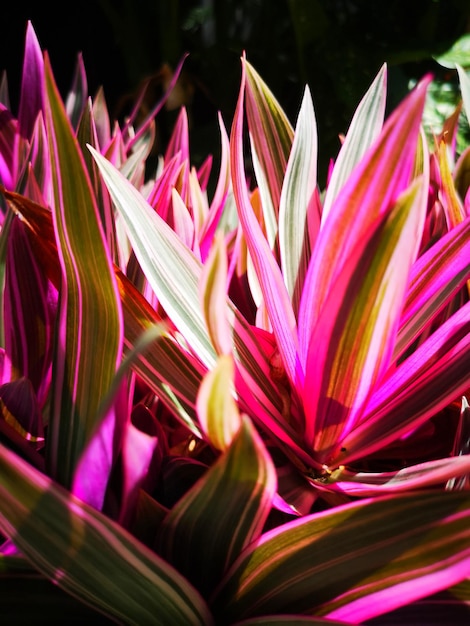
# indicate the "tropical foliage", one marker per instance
pixel 238 406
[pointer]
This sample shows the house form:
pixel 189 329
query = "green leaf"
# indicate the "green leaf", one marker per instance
pixel 216 406
pixel 271 137
pixel 457 54
pixel 464 80
pixel 90 556
pixel 213 296
pixel 89 331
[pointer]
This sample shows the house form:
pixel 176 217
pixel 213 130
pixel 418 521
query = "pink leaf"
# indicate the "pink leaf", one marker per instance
pixel 269 275
pixel 369 193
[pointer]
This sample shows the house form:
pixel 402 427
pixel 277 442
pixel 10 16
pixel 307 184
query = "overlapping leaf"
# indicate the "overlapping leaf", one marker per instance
pixel 174 274
pixel 271 137
pixel 428 380
pixel 299 210
pixel 375 184
pixel 435 277
pixel 352 343
pixel 29 308
pixel 168 368
pixel 275 294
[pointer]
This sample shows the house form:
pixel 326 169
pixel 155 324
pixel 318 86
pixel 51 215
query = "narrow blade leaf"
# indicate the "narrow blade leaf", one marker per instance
pixel 89 341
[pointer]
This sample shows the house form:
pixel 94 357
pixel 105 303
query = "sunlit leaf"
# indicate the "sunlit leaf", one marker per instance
pixel 271 135
pixel 457 54
pixel 213 294
pixel 371 191
pixel 299 211
pixel 430 473
pixel 352 343
pixel 364 129
pixel 423 384
pixel 451 202
pixel 177 290
pixel 268 273
pixel 167 366
pixel 216 407
pixel 220 194
pixel 435 277
pixel 174 273
pixel 464 87
pixel 354 562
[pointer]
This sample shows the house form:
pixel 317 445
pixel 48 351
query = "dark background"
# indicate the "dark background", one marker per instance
pixel 335 46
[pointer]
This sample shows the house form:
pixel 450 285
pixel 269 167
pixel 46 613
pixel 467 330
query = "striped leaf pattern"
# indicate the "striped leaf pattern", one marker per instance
pixel 195 537
pixel 89 326
pixel 354 562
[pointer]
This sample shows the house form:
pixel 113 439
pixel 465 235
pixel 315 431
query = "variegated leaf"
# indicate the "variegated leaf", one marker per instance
pixel 217 410
pixel 299 210
pixel 423 384
pixel 268 273
pixel 435 278
pixel 364 129
pixel 352 343
pixel 89 325
pixel 271 136
pixel 354 562
pixel 174 273
pixel 383 174
pixel 200 541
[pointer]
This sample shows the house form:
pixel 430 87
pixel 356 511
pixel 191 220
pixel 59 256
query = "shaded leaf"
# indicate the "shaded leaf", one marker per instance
pixel 77 547
pixel 200 541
